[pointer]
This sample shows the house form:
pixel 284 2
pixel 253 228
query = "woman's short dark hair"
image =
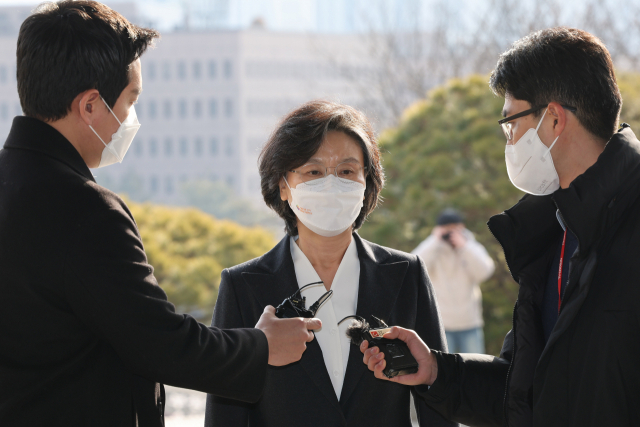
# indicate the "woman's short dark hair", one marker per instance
pixel 564 65
pixel 299 136
pixel 68 47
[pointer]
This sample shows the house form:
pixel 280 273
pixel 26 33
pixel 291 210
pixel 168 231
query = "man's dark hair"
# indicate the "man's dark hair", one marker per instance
pixel 449 216
pixel 299 136
pixel 564 65
pixel 68 47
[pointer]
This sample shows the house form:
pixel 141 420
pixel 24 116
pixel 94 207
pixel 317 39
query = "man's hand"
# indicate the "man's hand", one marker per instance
pixel 427 364
pixel 454 234
pixel 287 337
pixel 457 239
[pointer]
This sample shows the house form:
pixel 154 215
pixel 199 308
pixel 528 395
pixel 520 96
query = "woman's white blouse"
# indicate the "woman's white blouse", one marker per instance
pixel 333 342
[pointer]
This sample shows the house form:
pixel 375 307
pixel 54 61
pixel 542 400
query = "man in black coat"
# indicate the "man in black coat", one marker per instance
pixel 572 243
pixel 88 336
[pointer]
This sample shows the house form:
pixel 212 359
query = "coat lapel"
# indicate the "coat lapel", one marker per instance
pixel 378 290
pixel 272 289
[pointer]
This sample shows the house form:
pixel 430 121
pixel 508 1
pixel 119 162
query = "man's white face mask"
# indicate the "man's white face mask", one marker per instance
pixel 529 164
pixel 116 149
pixel 327 206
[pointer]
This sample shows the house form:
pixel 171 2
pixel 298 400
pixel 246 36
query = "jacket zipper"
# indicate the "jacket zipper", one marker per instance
pixel 577 252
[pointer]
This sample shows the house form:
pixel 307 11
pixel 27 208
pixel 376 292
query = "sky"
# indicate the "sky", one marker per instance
pixel 279 15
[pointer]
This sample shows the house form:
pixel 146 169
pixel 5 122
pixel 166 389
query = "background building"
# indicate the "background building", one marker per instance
pixel 211 99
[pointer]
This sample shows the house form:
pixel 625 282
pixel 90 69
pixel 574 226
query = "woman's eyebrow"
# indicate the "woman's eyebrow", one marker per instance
pixel 351 159
pixel 320 161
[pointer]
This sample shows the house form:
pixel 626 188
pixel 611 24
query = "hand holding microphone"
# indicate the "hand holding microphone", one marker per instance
pixel 287 338
pixel 427 364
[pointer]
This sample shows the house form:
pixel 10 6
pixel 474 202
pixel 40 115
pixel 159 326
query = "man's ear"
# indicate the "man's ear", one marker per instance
pixel 559 118
pixel 89 105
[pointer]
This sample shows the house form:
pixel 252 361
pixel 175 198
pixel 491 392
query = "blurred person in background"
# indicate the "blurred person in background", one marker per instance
pixel 88 336
pixel 321 172
pixel 572 243
pixel 457 264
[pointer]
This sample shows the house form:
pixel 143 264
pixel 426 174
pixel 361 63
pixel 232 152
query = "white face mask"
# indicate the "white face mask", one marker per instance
pixel 327 206
pixel 529 164
pixel 120 142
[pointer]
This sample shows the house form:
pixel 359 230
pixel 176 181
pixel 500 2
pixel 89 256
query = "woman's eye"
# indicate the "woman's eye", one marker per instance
pixel 313 173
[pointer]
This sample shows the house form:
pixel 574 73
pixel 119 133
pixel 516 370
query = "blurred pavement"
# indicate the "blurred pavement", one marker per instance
pixel 185 408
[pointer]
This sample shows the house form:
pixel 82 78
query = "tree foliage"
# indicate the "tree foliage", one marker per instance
pixel 448 151
pixel 188 250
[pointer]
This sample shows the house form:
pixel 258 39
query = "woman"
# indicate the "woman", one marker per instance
pixel 321 173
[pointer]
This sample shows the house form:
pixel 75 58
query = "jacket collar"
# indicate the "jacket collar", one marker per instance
pixel 593 200
pixel 380 281
pixel 28 133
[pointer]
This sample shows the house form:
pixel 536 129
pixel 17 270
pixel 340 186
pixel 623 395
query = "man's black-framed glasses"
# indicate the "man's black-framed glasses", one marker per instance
pixel 507 128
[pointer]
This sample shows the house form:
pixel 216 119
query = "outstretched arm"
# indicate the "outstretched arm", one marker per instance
pixel 465 388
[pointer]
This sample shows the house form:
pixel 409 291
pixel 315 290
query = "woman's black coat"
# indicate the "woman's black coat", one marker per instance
pixel 393 286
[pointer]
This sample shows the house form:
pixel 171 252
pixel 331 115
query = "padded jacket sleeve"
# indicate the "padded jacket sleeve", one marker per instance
pixel 470 388
pixel 111 286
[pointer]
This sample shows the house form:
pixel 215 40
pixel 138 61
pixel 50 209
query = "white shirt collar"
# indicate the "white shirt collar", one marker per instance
pixel 333 342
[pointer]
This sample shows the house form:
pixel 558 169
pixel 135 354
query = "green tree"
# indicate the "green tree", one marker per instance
pixel 447 151
pixel 188 250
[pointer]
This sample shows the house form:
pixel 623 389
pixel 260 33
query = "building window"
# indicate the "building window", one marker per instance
pixel 228 108
pixel 168 185
pixel 153 147
pixel 213 108
pixel 182 109
pixel 213 146
pixel 183 146
pixel 182 70
pixel 166 71
pixel 168 147
pixel 197 147
pixel 137 147
pixel 230 181
pixel 213 69
pixel 228 69
pixel 151 71
pixel 167 109
pixel 228 146
pixel 197 70
pixel 153 184
pixel 197 108
pixel 152 109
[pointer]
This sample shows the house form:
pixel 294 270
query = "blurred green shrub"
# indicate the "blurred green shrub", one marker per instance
pixel 188 250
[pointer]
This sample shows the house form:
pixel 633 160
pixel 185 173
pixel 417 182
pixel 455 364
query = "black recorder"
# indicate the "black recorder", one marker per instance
pixel 295 305
pixel 399 359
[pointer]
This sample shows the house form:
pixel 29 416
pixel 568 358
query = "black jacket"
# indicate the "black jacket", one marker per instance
pixel 87 333
pixel 588 374
pixel 393 286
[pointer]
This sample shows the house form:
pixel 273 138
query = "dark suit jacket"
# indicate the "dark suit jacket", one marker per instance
pixel 87 334
pixel 393 286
